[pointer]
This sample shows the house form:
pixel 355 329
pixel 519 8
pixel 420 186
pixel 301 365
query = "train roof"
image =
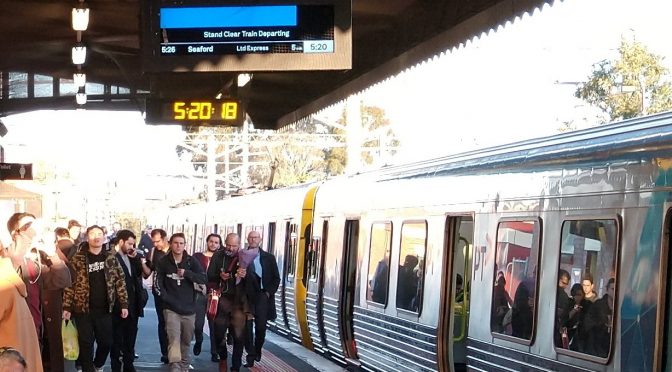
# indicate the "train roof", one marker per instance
pixel 622 140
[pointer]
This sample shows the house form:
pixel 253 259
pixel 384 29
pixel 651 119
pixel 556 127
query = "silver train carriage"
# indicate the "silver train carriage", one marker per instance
pixel 543 255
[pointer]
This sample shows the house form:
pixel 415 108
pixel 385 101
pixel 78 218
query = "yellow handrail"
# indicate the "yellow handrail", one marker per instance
pixel 462 309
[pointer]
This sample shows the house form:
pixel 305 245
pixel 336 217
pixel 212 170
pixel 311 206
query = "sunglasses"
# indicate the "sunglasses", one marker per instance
pixel 25 227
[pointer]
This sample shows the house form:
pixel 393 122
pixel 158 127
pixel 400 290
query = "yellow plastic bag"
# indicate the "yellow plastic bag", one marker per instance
pixel 70 342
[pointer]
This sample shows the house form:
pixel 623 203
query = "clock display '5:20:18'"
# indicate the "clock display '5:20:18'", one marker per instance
pixel 205 110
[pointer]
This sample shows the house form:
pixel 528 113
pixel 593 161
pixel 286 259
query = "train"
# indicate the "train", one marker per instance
pixel 470 261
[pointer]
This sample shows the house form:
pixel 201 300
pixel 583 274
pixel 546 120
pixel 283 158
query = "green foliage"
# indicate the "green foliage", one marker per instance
pixel 633 85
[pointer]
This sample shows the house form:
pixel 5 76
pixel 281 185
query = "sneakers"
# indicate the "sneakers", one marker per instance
pixel 197 348
pixel 98 369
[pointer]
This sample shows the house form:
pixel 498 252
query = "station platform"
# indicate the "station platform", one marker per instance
pixel 279 355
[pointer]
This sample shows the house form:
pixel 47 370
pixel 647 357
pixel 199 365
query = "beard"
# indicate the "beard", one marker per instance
pixel 230 253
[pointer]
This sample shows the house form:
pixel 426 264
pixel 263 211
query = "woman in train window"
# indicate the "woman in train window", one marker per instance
pixel 577 310
pixel 500 304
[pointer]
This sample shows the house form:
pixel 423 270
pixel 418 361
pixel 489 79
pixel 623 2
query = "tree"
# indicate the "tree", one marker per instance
pixel 305 151
pixel 633 85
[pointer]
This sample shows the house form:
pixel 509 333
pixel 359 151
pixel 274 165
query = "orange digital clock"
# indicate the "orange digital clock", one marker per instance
pixel 227 112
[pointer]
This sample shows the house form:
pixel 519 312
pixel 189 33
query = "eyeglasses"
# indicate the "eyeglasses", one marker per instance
pixel 25 227
pixel 7 352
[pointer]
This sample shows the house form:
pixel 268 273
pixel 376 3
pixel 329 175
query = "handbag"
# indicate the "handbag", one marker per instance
pixel 213 303
pixel 70 340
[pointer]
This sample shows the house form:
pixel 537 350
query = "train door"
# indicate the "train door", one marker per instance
pixel 302 267
pixel 347 291
pixel 666 288
pixel 315 297
pixel 454 309
pixel 288 276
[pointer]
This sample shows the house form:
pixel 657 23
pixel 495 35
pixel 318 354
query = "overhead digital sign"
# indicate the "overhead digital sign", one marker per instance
pixel 222 112
pixel 191 35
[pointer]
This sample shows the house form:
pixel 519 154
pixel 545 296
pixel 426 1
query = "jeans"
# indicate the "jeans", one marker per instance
pixel 163 337
pixel 92 328
pixel 201 304
pixel 230 322
pixel 255 338
pixel 125 333
pixel 180 330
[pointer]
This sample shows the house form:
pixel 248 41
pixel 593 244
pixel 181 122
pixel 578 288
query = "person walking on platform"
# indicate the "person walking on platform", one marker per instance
pixel 262 279
pixel 75 230
pixel 176 275
pixel 160 241
pixel 18 330
pixel 126 330
pixel 214 243
pixel 45 274
pixel 98 284
pixel 226 276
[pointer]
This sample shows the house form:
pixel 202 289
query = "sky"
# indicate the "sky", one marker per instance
pixel 509 85
pixel 515 83
pixel 106 141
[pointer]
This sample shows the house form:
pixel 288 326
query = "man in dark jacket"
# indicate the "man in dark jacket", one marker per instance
pixel 262 279
pixel 126 330
pixel 176 274
pixel 160 250
pixel 225 274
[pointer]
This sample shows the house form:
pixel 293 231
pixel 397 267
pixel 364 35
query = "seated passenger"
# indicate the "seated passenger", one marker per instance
pixel 598 322
pixel 521 319
pixel 379 281
pixel 459 290
pixel 407 286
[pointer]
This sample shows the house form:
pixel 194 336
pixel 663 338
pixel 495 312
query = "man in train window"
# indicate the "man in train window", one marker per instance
pixel 598 322
pixel 262 279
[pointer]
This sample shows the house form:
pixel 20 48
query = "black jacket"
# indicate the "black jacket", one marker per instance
pixel 270 279
pixel 270 276
pixel 178 295
pixel 218 263
pixel 137 294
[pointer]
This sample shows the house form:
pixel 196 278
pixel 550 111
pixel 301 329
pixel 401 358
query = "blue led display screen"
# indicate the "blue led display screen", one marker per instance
pixel 245 29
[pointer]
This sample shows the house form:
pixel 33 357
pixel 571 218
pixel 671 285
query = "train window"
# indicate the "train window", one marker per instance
pixel 291 251
pixel 313 254
pixel 516 260
pixel 379 262
pixel 410 277
pixel 586 287
pixel 270 244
